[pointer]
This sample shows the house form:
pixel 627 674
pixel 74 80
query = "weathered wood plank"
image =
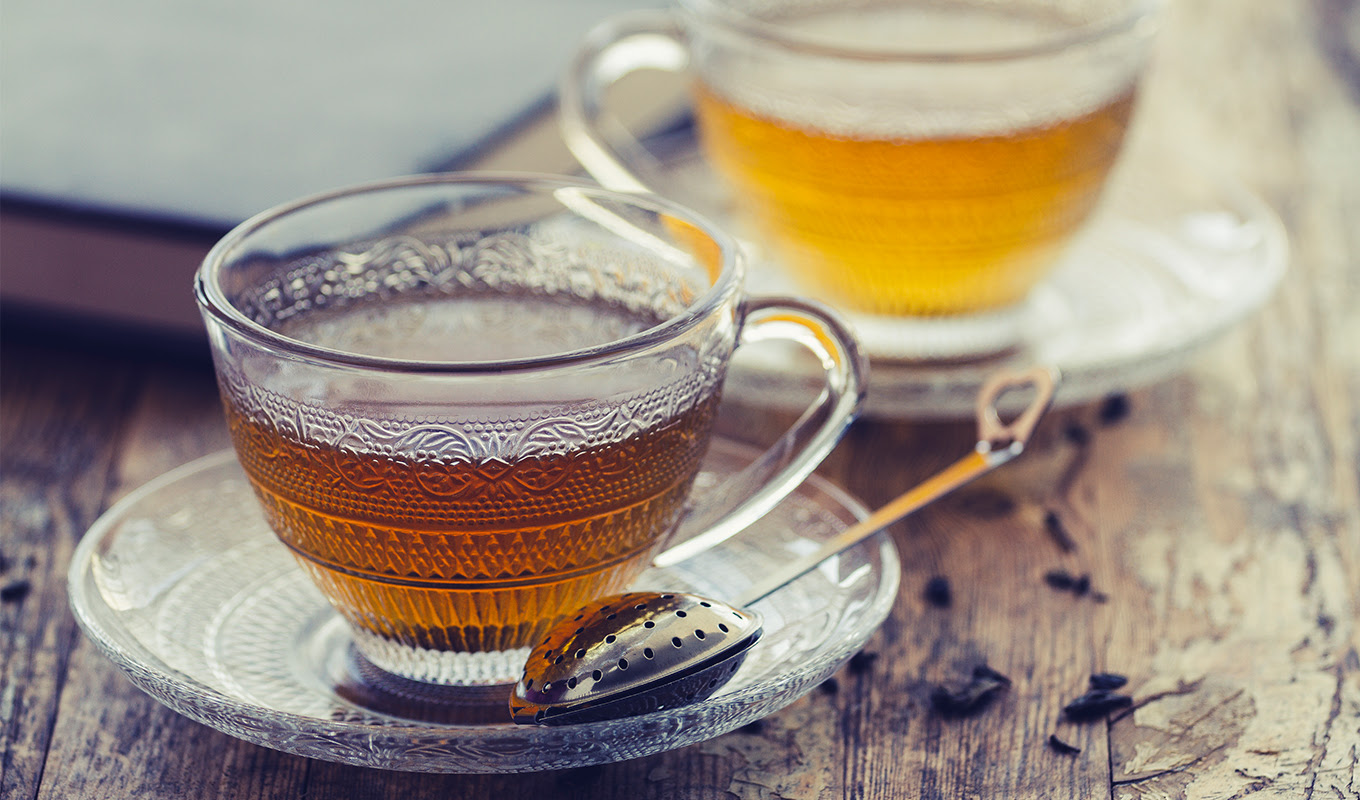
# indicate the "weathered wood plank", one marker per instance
pixel 992 542
pixel 1248 563
pixel 127 744
pixel 58 438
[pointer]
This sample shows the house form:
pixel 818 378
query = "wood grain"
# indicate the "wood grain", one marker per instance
pixel 1243 577
pixel 58 438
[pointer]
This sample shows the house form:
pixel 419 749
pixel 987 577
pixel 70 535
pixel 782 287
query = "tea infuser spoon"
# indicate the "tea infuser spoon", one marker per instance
pixel 639 652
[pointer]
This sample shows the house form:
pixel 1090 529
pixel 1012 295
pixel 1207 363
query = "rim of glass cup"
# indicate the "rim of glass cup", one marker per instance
pixel 1130 16
pixel 211 298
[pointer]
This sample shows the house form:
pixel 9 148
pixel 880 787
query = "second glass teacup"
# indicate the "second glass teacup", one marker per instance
pixel 920 160
pixel 469 404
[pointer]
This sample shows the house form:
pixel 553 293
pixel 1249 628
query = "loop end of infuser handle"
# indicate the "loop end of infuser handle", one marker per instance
pixel 1008 439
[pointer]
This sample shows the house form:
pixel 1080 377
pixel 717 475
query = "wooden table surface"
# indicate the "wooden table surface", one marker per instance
pixel 1217 514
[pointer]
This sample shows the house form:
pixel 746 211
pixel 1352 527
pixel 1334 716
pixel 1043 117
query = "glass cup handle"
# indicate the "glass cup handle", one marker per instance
pixel 626 43
pixel 754 491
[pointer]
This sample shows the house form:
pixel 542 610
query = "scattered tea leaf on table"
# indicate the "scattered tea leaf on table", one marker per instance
pixel 938 592
pixel 964 699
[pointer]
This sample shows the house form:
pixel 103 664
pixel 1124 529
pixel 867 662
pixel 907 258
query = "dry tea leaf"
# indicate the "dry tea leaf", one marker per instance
pixel 938 592
pixel 961 700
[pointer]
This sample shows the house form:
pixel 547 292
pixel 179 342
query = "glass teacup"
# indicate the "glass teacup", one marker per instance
pixel 470 404
pixel 926 161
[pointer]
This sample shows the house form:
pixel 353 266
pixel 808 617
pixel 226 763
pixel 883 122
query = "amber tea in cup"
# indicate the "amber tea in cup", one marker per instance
pixel 471 404
pixel 910 158
pixel 392 521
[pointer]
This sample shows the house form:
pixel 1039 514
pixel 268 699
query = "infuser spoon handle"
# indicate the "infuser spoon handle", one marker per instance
pixel 998 443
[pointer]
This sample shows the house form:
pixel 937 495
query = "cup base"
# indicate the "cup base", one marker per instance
pixel 442 667
pixel 943 338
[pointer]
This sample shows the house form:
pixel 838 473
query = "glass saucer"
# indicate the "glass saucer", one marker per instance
pixel 187 590
pixel 1173 259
